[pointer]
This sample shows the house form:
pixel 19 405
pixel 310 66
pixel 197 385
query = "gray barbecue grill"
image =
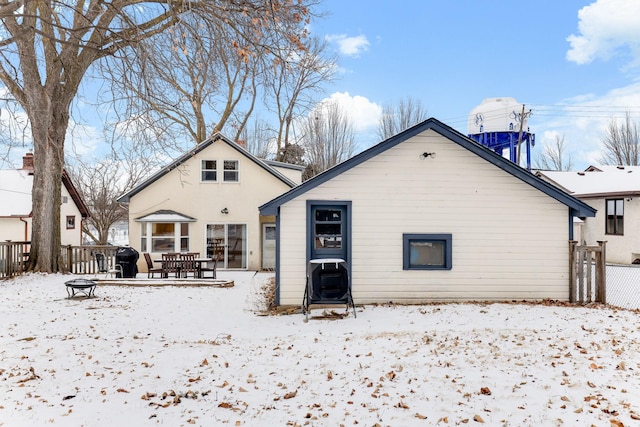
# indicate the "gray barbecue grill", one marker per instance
pixel 327 283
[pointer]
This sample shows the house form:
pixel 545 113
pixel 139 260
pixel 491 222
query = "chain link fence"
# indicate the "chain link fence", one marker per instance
pixel 623 285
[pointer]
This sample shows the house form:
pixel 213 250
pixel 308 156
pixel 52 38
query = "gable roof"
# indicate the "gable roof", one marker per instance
pixel 578 208
pixel 15 189
pixel 597 181
pixel 189 154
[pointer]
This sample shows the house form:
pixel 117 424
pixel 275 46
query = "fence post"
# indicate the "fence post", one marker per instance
pixel 601 271
pixel 9 259
pixel 70 263
pixel 572 270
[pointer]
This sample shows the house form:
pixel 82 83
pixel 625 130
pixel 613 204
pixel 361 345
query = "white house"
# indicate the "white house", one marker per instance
pixel 208 196
pixel 428 215
pixel 615 192
pixel 16 206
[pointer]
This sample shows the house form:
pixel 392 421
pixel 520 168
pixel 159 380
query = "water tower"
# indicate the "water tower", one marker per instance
pixel 501 125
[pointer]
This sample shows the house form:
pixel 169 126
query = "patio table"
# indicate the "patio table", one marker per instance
pixel 197 261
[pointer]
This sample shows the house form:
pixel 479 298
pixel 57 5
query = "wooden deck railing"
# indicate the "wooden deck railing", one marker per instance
pixel 14 257
pixel 82 260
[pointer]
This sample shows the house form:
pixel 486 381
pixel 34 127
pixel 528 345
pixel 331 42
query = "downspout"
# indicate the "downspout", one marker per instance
pixel 26 229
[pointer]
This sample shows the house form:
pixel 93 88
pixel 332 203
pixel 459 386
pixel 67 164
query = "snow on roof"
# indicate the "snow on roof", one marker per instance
pixel 597 180
pixel 15 192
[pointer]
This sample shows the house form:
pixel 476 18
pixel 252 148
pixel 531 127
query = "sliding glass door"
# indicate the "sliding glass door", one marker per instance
pixel 229 241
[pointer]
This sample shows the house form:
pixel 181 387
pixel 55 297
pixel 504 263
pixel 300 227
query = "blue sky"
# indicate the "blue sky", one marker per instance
pixel 575 64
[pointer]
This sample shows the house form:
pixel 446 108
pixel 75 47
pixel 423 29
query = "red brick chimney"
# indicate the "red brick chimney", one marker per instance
pixel 27 162
pixel 242 143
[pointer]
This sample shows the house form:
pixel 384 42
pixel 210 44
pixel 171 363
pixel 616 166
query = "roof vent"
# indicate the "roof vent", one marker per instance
pixel 620 167
pixel 581 173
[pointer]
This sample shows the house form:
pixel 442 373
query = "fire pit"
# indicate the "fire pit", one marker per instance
pixel 80 286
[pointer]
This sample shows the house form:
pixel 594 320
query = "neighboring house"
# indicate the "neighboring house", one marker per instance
pixel 428 215
pixel 15 209
pixel 208 196
pixel 615 192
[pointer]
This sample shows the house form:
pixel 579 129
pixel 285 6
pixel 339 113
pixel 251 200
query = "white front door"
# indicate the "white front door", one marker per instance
pixel 268 246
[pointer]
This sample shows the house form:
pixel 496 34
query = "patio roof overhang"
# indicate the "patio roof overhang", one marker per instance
pixel 165 216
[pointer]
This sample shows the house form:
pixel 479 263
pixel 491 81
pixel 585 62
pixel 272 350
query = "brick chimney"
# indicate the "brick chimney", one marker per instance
pixel 242 143
pixel 27 162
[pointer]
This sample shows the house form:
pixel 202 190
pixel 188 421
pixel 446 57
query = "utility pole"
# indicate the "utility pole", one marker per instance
pixel 522 115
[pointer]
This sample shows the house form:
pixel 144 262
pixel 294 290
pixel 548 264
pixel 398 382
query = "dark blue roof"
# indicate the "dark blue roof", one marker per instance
pixel 578 208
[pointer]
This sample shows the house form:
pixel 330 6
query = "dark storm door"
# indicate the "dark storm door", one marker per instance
pixel 329 230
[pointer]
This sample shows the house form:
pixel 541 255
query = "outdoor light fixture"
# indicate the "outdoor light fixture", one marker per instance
pixel 425 155
pixel 224 211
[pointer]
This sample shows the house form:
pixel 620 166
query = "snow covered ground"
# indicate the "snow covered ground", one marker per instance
pixel 181 356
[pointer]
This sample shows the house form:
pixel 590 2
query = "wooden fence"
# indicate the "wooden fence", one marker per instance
pixel 587 273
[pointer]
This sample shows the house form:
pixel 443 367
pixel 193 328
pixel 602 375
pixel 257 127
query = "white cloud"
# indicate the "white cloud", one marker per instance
pixel 363 113
pixel 583 121
pixel 605 27
pixel 350 46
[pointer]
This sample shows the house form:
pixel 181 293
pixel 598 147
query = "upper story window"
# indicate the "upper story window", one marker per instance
pixel 231 171
pixel 615 217
pixel 71 222
pixel 210 170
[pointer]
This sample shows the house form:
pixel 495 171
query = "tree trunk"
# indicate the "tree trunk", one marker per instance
pixel 48 129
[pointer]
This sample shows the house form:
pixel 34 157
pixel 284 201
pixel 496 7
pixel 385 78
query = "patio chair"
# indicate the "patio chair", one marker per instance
pixel 188 264
pixel 104 267
pixel 151 270
pixel 211 266
pixel 170 264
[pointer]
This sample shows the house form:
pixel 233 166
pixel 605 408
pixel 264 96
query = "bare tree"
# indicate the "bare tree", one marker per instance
pixel 189 82
pixel 49 46
pixel 396 118
pixel 328 137
pixel 258 138
pixel 291 84
pixel 555 157
pixel 621 143
pixel 101 181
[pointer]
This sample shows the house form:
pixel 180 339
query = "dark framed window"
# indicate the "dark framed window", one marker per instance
pixel 615 217
pixel 231 172
pixel 426 251
pixel 209 170
pixel 71 222
pixel 328 228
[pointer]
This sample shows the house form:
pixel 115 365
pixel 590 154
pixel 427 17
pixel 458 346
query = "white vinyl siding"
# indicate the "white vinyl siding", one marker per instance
pixel 510 240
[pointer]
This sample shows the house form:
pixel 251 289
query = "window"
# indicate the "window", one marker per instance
pixel 209 170
pixel 229 243
pixel 615 217
pixel 162 237
pixel 231 171
pixel 71 222
pixel 426 251
pixel 328 228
